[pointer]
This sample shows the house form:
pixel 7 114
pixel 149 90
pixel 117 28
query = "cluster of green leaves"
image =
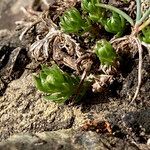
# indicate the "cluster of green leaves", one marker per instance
pixel 115 24
pixel 95 14
pixel 73 22
pixel 105 52
pixel 58 85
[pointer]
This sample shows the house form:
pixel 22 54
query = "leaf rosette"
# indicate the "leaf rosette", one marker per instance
pixel 107 56
pixel 96 14
pixel 72 22
pixel 58 85
pixel 115 24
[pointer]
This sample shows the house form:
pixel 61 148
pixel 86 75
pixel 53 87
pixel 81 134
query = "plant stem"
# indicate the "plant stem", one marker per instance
pixel 146 23
pixel 145 15
pixel 138 10
pixel 120 12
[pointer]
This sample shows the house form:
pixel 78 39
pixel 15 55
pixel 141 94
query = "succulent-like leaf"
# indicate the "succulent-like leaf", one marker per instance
pixel 105 52
pixel 115 24
pixel 96 14
pixel 146 35
pixel 39 84
pixel 57 97
pixel 72 22
pixel 58 85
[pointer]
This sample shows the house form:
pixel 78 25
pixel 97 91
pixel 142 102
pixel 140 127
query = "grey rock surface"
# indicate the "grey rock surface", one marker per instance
pixel 10 11
pixel 67 140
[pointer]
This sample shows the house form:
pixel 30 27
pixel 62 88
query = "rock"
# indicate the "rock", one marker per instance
pixel 138 119
pixel 10 12
pixel 66 140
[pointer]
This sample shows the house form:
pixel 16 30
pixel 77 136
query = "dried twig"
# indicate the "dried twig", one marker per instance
pixel 28 28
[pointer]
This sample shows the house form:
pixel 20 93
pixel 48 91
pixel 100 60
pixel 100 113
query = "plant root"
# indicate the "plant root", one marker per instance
pixel 140 50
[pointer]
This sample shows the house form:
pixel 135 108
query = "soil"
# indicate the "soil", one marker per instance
pixel 23 108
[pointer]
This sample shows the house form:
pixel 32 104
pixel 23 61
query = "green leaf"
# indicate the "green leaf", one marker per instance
pixel 96 14
pixel 39 85
pixel 72 22
pixel 56 98
pixel 145 36
pixel 105 52
pixel 115 24
pixel 58 85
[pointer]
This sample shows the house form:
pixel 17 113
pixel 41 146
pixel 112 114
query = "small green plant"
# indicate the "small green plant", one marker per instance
pixel 105 53
pixel 115 24
pixel 72 22
pixel 140 24
pixel 142 20
pixel 58 85
pixel 145 36
pixel 95 13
